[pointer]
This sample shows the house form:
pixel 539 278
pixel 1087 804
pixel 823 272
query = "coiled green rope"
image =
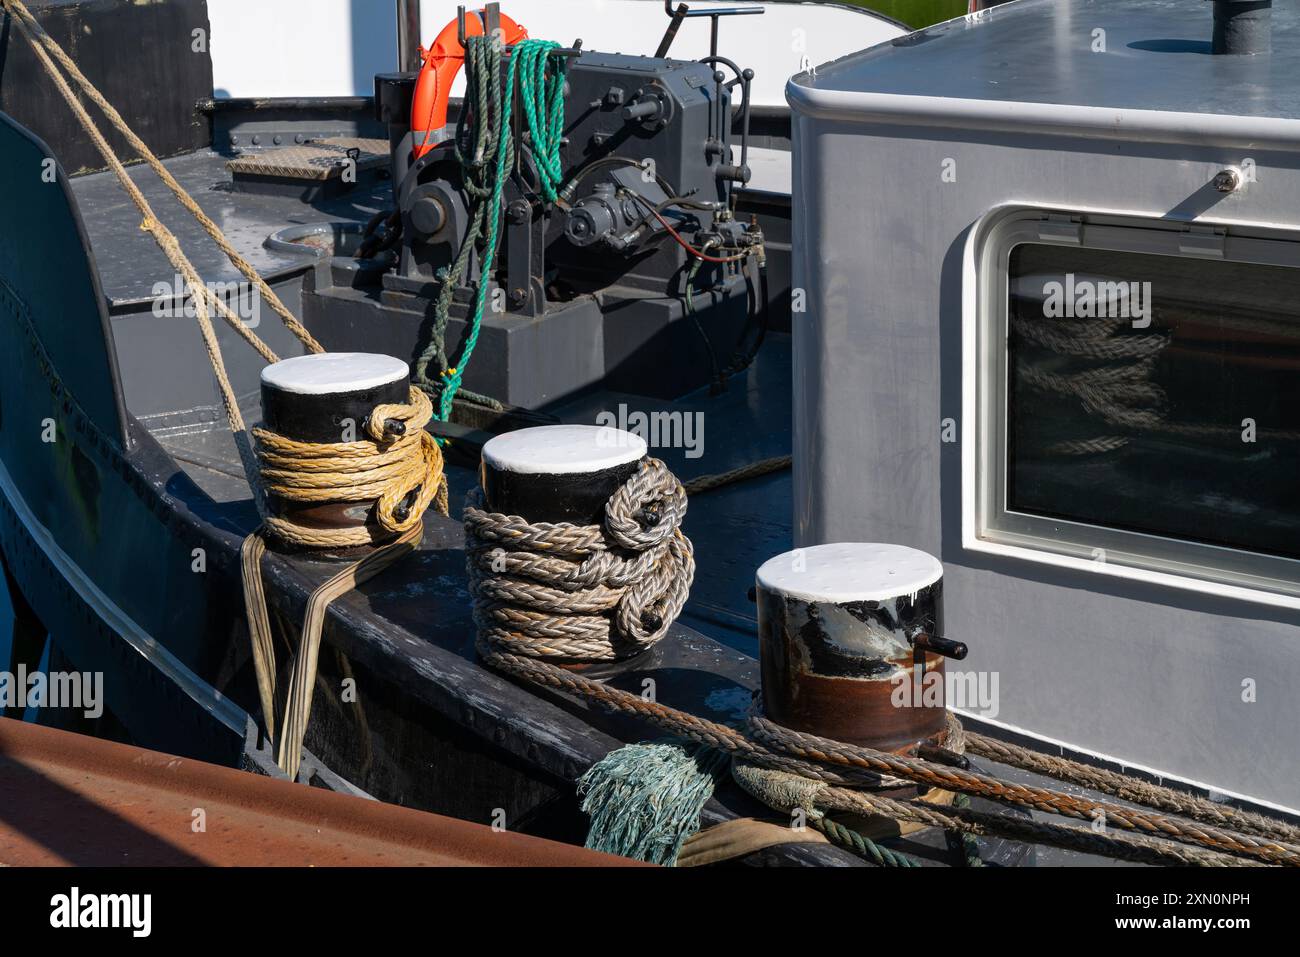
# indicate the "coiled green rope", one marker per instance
pixel 543 99
pixel 485 153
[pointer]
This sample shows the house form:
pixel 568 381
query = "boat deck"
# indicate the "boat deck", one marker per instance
pixel 408 636
pixel 130 262
pixel 741 527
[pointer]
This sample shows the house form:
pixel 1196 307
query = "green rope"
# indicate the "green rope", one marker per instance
pixel 860 844
pixel 645 800
pixel 964 843
pixel 474 143
pixel 543 99
pixel 485 149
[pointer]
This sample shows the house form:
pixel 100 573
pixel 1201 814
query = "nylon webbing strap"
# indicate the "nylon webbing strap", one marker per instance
pixel 302 678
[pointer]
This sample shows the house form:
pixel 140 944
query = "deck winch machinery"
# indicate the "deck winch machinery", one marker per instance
pixel 646 156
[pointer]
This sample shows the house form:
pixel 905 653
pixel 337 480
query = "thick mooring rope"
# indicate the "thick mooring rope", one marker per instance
pixel 963 824
pixel 1130 789
pixel 838 755
pixel 964 820
pixel 583 592
pixel 707 483
pixel 48 47
pixel 397 460
pixel 851 766
pixel 204 301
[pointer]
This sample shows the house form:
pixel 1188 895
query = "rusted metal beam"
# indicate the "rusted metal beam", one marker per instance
pixel 69 799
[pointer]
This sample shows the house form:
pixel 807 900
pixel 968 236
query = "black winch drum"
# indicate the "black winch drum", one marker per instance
pixel 840 626
pixel 326 398
pixel 558 473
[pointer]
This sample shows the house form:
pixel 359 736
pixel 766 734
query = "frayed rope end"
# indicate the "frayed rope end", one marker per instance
pixel 644 800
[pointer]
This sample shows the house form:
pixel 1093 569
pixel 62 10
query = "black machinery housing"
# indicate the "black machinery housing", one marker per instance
pixel 591 288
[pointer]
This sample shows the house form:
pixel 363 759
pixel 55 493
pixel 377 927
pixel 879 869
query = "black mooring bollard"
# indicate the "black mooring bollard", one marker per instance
pixel 846 633
pixel 558 473
pixel 326 398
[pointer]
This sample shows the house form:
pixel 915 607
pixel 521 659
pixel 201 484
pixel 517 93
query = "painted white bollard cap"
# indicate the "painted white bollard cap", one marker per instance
pixel 839 626
pixel 558 473
pixel 850 572
pixel 330 373
pixel 325 397
pixel 563 449
pixel 864 601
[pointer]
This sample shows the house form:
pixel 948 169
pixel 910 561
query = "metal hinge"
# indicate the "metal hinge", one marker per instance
pixel 1059 228
pixel 1202 241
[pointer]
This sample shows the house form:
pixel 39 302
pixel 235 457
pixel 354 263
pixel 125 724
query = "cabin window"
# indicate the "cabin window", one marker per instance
pixel 1147 402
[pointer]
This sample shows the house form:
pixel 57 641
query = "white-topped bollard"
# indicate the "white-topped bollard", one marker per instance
pixel 840 626
pixel 574 546
pixel 326 398
pixel 558 473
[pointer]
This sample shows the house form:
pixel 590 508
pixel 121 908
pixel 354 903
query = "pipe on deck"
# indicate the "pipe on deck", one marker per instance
pixel 408 35
pixel 1243 27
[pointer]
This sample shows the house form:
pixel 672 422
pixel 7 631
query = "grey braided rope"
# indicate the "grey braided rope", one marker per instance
pixel 1113 843
pixel 582 592
pixel 1131 789
pixel 824 751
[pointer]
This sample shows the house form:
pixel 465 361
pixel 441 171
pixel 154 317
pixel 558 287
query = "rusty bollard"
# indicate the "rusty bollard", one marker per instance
pixel 841 628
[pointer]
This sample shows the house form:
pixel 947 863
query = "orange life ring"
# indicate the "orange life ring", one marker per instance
pixel 442 62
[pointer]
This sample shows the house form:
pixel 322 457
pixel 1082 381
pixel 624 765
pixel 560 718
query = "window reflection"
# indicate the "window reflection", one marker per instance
pixel 1157 394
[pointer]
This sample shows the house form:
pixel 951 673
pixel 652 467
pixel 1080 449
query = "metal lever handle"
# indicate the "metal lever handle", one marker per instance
pixel 955 650
pixel 717 12
pixel 682 12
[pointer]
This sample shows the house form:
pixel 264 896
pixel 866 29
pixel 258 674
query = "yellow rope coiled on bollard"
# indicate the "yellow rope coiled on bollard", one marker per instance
pixel 396 458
